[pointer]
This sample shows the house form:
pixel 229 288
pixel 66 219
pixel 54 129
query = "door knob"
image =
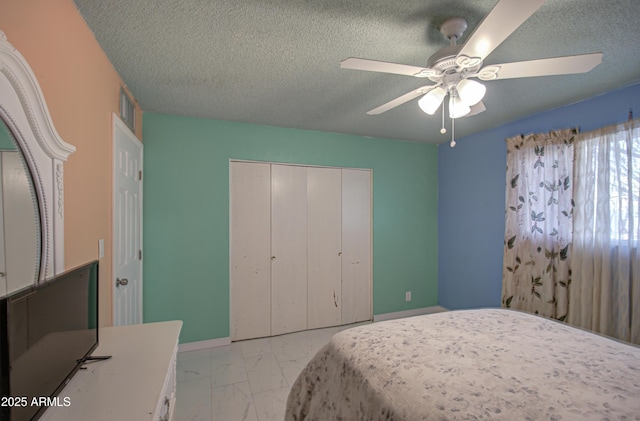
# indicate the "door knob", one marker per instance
pixel 123 282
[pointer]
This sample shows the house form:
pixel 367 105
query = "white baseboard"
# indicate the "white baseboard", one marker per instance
pixel 196 346
pixel 408 313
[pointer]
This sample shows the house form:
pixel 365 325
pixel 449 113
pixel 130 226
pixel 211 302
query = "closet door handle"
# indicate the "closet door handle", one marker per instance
pixel 339 253
pixel 273 257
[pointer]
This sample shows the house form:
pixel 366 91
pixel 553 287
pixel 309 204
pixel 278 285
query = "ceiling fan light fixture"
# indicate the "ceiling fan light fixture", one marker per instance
pixel 432 100
pixel 470 91
pixel 457 108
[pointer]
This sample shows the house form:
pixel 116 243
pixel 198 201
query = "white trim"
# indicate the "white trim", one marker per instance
pixel 24 110
pixel 197 346
pixel 295 164
pixel 408 313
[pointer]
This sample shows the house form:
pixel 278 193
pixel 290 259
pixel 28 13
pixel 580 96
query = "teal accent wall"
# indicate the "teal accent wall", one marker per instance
pixel 186 213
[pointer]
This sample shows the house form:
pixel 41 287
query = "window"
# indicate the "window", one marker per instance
pixel 624 187
pixel 608 164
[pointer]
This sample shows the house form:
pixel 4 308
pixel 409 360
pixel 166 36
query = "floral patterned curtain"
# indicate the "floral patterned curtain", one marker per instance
pixel 538 227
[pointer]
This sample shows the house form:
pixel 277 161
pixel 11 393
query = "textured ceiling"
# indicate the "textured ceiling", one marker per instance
pixel 276 62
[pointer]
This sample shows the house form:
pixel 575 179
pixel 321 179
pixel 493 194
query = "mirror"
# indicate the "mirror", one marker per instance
pixel 41 153
pixel 20 243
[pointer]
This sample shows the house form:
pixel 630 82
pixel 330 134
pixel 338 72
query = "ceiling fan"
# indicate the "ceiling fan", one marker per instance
pixel 453 67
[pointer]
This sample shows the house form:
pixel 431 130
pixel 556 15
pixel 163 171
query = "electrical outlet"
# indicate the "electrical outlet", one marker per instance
pixel 100 249
pixel 407 296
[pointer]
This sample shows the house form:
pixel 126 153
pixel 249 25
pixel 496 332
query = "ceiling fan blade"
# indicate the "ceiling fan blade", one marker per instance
pixel 543 67
pixel 503 19
pixel 401 100
pixel 476 109
pixel 385 67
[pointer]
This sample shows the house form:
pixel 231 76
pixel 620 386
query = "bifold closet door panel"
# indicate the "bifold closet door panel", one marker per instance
pixel 356 245
pixel 288 249
pixel 250 282
pixel 324 241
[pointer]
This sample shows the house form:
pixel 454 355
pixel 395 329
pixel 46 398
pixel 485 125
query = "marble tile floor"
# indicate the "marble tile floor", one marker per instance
pixel 247 380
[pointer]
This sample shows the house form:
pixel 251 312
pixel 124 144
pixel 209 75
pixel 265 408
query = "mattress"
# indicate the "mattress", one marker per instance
pixel 489 364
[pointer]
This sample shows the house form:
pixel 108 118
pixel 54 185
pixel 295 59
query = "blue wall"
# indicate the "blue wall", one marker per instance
pixel 471 195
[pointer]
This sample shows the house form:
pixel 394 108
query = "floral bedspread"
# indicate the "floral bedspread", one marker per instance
pixel 490 364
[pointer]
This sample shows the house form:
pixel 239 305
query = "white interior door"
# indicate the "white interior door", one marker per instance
pixel 288 249
pixel 356 245
pixel 127 225
pixel 250 248
pixel 324 242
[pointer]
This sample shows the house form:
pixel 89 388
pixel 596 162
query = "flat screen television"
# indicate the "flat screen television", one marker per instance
pixel 47 332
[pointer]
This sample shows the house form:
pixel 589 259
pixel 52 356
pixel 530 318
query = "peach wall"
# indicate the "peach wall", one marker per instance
pixel 81 89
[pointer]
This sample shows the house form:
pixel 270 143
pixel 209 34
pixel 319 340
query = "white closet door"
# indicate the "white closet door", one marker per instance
pixel 288 249
pixel 324 261
pixel 356 245
pixel 250 250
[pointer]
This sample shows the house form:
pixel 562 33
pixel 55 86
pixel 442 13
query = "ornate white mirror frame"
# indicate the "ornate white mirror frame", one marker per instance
pixel 24 111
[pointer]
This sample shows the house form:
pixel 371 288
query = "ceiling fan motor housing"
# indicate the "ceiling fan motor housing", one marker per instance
pixel 444 60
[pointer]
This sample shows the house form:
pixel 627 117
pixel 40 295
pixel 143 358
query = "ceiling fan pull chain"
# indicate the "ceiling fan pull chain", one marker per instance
pixel 453 127
pixel 443 130
pixel 453 130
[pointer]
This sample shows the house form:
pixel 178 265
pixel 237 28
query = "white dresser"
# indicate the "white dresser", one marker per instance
pixel 137 384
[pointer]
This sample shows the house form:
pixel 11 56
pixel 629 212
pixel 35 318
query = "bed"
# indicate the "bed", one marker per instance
pixel 490 364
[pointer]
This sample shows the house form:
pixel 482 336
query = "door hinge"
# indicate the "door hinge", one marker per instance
pixel 140 175
pixel 139 254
